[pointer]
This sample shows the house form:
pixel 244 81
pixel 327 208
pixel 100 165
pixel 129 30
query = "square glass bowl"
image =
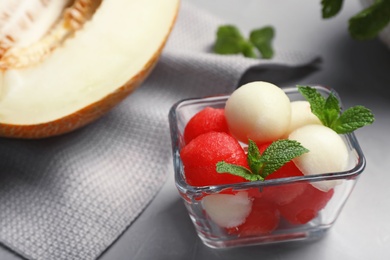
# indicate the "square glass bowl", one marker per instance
pixel 306 217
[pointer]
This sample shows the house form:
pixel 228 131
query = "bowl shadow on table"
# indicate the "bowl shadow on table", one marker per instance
pixel 185 244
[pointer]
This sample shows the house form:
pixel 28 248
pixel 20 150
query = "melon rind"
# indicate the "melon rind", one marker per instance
pixel 92 72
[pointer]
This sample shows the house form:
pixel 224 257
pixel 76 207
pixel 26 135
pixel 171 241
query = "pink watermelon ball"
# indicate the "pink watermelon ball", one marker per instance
pixel 207 120
pixel 306 206
pixel 284 193
pixel 263 219
pixel 201 155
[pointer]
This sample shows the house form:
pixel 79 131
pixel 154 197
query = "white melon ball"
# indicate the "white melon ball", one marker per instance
pixel 259 111
pixel 228 210
pixel 327 153
pixel 301 115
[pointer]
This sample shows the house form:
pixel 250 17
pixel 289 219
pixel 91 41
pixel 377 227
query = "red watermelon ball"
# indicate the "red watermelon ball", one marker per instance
pixel 201 155
pixel 208 119
pixel 306 206
pixel 282 193
pixel 263 219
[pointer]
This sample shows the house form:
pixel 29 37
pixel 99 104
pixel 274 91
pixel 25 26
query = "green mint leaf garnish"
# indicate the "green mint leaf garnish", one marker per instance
pixel 369 22
pixel 331 7
pixel 328 110
pixel 331 109
pixel 223 167
pixel 262 40
pixel 261 165
pixel 316 100
pixel 230 41
pixel 352 119
pixel 255 161
pixel 279 153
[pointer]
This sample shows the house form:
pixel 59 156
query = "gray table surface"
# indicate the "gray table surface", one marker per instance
pixel 360 72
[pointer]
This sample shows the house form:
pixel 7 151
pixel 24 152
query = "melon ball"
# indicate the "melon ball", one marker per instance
pixel 301 115
pixel 328 153
pixel 259 111
pixel 228 210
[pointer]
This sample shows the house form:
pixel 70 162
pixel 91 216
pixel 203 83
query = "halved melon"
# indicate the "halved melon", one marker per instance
pixel 91 56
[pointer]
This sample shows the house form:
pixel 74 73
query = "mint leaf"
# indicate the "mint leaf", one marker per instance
pixel 275 156
pixel 369 22
pixel 331 111
pixel 316 100
pixel 262 40
pixel 328 110
pixel 230 41
pixel 248 50
pixel 254 158
pixel 352 119
pixel 331 7
pixel 279 153
pixel 223 167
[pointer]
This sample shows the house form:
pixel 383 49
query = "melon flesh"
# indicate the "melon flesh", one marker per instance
pixel 301 115
pixel 228 210
pixel 259 111
pixel 327 153
pixel 120 42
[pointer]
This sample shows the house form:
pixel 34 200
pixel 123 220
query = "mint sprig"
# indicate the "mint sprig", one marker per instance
pixel 230 41
pixel 262 40
pixel 366 24
pixel 275 156
pixel 329 112
pixel 369 22
pixel 223 167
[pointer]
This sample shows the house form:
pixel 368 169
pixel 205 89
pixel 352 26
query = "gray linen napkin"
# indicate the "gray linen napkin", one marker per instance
pixel 70 197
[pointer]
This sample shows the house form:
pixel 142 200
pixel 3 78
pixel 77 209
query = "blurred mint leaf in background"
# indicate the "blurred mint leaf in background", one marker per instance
pixel 369 22
pixel 331 7
pixel 230 41
pixel 365 25
pixel 262 39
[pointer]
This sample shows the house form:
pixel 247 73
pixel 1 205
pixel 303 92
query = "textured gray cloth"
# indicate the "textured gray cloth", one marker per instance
pixel 70 197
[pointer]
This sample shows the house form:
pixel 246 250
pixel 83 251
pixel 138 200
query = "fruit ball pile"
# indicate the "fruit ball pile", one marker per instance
pixel 263 113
